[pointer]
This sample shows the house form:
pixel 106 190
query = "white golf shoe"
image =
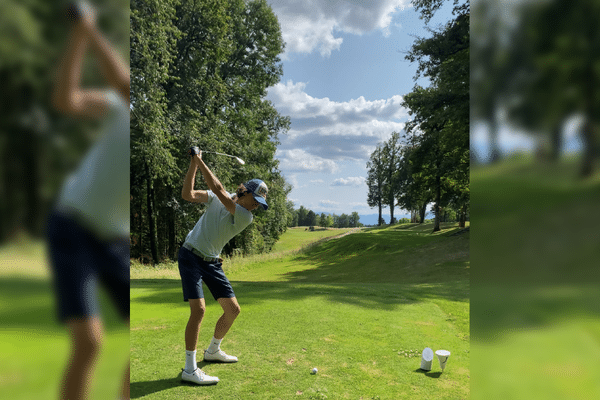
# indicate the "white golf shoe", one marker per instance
pixel 199 377
pixel 219 357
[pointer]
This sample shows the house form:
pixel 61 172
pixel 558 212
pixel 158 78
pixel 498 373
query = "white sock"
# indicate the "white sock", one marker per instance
pixel 215 345
pixel 190 361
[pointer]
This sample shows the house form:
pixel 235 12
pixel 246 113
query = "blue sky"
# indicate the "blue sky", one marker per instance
pixel 343 82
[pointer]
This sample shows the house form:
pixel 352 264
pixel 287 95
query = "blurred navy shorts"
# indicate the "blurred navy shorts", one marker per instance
pixel 193 270
pixel 80 261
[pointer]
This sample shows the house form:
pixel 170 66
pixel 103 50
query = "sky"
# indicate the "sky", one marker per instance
pixel 344 76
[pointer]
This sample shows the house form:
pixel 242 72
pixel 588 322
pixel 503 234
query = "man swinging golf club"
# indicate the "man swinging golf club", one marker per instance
pixel 226 216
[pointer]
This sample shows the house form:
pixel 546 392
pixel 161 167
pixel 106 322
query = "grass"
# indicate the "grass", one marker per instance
pixel 360 308
pixel 33 347
pixel 535 325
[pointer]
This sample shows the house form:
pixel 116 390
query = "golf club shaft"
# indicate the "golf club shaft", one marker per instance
pixel 214 152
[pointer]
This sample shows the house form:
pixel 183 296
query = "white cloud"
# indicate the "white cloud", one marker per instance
pixel 330 130
pixel 351 181
pixel 329 204
pixel 317 181
pixel 309 25
pixel 297 160
pixel 292 180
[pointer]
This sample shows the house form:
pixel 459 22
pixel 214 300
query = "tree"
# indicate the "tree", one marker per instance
pixel 199 74
pixel 376 175
pixel 344 221
pixel 391 161
pixel 561 72
pixel 311 218
pixel 440 124
pixel 302 216
pixel 413 194
pixel 492 72
pixel 292 214
pixel 354 220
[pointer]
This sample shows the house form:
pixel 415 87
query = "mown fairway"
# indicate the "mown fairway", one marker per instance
pixel 534 293
pixel 33 347
pixel 360 308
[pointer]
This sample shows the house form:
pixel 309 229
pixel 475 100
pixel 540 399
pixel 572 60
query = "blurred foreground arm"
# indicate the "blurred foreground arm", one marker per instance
pixel 68 96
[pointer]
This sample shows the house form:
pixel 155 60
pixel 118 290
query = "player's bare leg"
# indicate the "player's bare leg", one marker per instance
pixel 231 309
pixel 197 310
pixel 86 341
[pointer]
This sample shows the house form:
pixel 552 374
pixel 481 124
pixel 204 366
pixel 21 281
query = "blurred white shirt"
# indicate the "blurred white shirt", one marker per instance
pixel 98 190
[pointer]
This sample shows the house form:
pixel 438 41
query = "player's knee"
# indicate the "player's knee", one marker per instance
pixel 88 343
pixel 198 312
pixel 235 310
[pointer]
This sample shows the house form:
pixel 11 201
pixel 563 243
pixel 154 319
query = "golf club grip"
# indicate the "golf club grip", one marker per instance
pixel 194 150
pixel 74 12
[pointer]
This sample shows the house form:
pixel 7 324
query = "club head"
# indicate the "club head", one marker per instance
pixel 240 161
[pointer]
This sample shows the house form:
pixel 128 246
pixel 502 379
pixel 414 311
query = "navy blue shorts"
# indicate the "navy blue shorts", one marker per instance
pixel 193 270
pixel 79 261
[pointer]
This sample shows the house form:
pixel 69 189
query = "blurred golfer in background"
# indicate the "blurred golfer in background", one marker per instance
pixel 88 231
pixel 226 216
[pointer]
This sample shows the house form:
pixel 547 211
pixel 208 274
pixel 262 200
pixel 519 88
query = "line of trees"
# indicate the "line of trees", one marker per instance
pixel 539 67
pixel 430 162
pixel 306 217
pixel 199 74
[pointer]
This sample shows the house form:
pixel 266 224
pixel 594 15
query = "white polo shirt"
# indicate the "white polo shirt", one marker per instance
pixel 217 226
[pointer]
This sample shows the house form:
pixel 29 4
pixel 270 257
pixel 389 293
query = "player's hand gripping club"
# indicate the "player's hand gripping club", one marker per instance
pixel 81 12
pixel 195 153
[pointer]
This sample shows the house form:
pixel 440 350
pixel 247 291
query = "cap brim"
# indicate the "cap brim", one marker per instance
pixel 261 201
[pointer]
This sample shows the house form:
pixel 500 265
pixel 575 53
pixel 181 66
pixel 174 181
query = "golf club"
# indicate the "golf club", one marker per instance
pixel 194 150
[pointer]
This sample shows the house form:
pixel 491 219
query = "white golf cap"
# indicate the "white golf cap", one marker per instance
pixel 259 190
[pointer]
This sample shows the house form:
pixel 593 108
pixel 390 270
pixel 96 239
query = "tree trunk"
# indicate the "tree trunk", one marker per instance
pixel 556 142
pixel 380 218
pixel 171 241
pixel 422 212
pixel 438 197
pixel 141 228
pixel 589 150
pixel 494 148
pixel 150 206
pixel 463 217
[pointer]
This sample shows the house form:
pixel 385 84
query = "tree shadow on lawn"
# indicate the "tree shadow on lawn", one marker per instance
pixel 381 296
pixel 503 309
pixel 385 256
pixel 30 304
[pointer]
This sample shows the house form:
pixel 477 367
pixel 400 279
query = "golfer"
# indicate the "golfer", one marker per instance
pixel 88 229
pixel 226 216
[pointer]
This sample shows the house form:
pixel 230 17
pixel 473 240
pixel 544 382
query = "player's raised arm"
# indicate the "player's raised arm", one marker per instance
pixel 187 192
pixel 214 184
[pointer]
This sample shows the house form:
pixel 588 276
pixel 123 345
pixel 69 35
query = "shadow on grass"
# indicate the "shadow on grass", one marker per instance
pixel 29 304
pixel 429 373
pixel 381 296
pixel 390 255
pixel 500 310
pixel 141 389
